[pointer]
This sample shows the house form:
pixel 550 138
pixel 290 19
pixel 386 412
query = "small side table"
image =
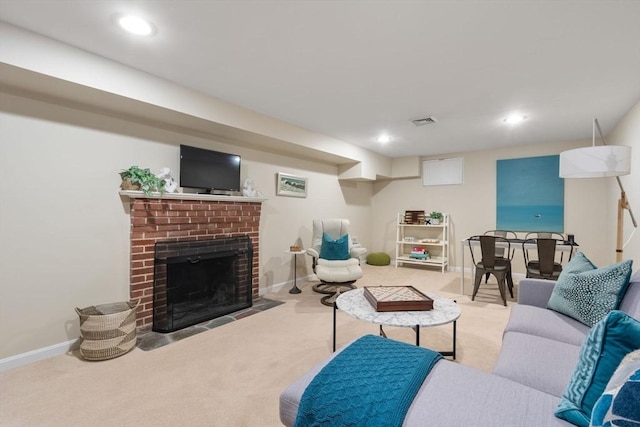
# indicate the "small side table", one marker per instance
pixel 295 289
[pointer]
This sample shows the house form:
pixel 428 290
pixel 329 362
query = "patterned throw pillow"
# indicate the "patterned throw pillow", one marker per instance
pixel 334 249
pixel 578 264
pixel 608 342
pixel 619 405
pixel 587 293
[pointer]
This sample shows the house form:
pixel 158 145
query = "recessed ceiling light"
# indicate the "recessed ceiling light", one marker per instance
pixel 383 139
pixel 514 119
pixel 136 25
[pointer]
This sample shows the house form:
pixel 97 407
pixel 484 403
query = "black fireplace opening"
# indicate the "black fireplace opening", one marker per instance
pixel 200 280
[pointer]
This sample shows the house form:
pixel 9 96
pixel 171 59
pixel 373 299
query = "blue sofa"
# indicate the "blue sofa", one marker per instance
pixel 540 349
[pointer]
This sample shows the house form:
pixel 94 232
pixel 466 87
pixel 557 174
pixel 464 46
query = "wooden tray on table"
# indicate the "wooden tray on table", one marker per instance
pixel 397 298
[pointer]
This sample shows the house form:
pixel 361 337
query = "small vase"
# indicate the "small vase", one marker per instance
pixel 435 221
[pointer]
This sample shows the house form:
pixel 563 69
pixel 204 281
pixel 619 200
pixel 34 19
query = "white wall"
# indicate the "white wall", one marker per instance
pixel 472 205
pixel 65 230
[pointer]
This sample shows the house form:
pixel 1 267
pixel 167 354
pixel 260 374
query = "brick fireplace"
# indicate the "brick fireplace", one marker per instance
pixel 177 217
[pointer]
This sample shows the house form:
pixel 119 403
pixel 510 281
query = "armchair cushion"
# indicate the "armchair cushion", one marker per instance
pixel 334 249
pixel 340 271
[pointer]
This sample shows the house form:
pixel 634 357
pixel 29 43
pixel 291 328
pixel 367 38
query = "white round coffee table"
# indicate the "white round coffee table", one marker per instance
pixel 444 311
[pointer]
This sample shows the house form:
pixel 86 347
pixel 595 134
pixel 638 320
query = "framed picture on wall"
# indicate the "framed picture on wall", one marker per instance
pixel 291 185
pixel 529 194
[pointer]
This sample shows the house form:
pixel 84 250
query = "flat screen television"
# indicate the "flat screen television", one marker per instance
pixel 209 170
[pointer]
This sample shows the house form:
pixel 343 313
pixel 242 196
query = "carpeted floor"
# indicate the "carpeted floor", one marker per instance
pixel 232 375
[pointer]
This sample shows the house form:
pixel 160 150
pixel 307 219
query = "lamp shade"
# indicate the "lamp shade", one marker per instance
pixel 596 162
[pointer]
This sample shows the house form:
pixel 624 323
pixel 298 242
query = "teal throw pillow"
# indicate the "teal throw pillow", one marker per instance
pixel 619 405
pixel 334 249
pixel 608 342
pixel 586 293
pixel 578 264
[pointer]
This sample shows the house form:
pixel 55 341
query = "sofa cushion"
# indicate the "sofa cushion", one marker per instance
pixel 534 362
pixel 587 293
pixel 334 249
pixel 609 341
pixel 456 395
pixel 546 323
pixel 618 405
pixel 631 301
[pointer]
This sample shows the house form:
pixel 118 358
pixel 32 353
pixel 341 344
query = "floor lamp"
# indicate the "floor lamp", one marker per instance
pixel 600 162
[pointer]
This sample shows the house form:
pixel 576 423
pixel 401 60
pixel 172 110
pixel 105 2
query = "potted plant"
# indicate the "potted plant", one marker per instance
pixel 436 217
pixel 136 178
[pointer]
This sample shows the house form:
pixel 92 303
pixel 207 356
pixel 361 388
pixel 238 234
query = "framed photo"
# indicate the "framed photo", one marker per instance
pixel 291 185
pixel 529 194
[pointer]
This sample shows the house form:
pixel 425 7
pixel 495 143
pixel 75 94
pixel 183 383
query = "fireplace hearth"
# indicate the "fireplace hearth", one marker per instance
pixel 200 280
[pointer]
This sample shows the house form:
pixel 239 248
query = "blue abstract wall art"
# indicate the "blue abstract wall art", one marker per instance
pixel 530 194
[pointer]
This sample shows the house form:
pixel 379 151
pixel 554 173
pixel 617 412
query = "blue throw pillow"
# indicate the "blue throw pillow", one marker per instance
pixel 334 249
pixel 578 264
pixel 608 342
pixel 586 293
pixel 619 405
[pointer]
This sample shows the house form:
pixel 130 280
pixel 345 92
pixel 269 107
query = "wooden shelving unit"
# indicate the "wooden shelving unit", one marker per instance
pixel 433 238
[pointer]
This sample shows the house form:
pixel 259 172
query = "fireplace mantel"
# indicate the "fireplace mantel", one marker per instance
pixel 190 196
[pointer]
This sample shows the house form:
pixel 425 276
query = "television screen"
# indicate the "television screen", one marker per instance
pixel 209 170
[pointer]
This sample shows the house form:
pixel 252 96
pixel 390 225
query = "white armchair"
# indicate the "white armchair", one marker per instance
pixel 334 274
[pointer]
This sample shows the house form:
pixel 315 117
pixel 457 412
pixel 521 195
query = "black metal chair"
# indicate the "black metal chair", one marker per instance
pixel 540 255
pixel 507 234
pixel 500 268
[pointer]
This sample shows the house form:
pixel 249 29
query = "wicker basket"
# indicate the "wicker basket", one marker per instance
pixel 107 330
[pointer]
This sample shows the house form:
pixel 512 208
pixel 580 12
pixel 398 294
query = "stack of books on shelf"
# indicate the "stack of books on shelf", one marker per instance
pixel 419 253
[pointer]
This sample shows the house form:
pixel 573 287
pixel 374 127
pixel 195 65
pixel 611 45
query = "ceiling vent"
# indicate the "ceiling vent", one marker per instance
pixel 425 121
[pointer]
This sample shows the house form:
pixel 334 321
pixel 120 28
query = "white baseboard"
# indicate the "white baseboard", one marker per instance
pixel 276 287
pixel 36 355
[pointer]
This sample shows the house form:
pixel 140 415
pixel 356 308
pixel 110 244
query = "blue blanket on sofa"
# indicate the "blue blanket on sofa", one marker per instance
pixel 372 382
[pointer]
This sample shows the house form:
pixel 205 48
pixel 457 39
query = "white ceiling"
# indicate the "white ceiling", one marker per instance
pixel 354 69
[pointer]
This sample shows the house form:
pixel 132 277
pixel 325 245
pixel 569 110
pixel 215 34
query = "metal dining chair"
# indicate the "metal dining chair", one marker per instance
pixel 507 234
pixel 541 262
pixel 501 269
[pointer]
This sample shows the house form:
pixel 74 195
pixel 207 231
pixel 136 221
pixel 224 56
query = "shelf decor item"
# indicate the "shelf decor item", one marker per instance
pixel 419 253
pixel 414 217
pixel 436 217
pixel 397 298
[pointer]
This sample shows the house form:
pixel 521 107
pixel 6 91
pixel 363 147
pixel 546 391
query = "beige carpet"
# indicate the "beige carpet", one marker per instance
pixel 232 375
